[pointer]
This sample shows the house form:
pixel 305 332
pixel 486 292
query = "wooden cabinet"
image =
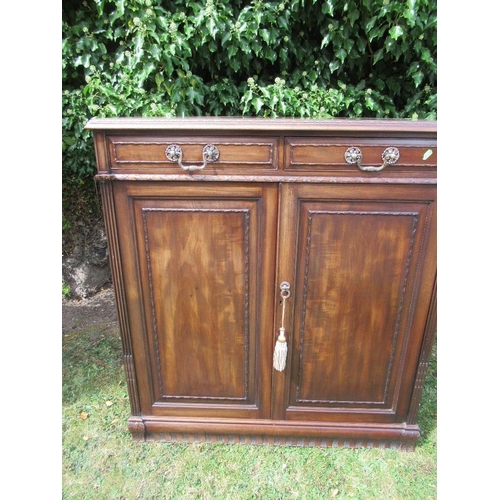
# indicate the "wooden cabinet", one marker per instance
pixel 207 216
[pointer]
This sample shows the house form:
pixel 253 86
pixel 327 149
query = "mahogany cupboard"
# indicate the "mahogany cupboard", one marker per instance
pixel 233 238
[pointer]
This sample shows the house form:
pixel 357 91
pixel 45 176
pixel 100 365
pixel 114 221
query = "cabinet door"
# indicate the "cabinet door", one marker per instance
pixel 200 288
pixel 361 263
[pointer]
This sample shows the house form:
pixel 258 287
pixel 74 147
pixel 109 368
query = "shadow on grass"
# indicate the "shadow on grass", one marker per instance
pixel 427 413
pixel 91 361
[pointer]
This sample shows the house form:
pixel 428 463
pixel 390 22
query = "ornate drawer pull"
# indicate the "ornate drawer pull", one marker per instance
pixel 174 153
pixel 389 157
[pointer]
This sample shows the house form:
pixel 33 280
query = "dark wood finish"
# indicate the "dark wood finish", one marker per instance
pixel 128 153
pixel 200 295
pixel 355 254
pixel 197 258
pixel 325 153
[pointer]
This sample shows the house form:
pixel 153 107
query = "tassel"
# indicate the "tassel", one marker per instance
pixel 280 352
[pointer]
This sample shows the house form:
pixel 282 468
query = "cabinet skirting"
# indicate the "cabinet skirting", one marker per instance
pixel 278 433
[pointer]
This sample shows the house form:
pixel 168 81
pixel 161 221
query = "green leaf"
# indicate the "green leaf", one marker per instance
pixel 370 23
pixel 379 83
pixel 378 56
pixel 194 96
pixel 235 63
pixel 232 50
pixel 283 22
pixel 139 42
pixel 270 54
pixel 119 12
pixel 265 92
pixel 341 54
pixel 417 77
pixel 326 40
pixel 361 85
pixel 100 7
pixel 155 52
pixel 334 65
pixel 396 32
pixel 426 55
pixel 86 60
pixel 147 70
pixel 226 37
pixel 257 103
pixel 410 13
pixel 245 47
pixel 427 154
pixel 361 43
pixel 348 45
pixel 212 27
pixel 274 33
pixel 169 67
pixel 369 103
pixel 353 16
pixel 159 79
pixel 327 7
pixel 264 33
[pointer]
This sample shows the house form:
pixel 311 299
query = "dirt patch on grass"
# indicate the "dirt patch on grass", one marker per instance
pixel 97 312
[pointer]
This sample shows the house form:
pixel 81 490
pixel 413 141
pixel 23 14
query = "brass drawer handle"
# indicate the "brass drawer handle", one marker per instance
pixel 281 349
pixel 389 157
pixel 174 153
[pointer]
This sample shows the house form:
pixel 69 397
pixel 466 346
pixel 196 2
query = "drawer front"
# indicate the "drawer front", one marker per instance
pixel 235 154
pixel 325 153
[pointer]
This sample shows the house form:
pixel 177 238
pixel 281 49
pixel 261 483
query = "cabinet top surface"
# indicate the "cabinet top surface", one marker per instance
pixel 382 125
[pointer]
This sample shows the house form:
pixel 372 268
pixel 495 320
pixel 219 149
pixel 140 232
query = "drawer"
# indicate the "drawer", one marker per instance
pixel 232 154
pixel 326 153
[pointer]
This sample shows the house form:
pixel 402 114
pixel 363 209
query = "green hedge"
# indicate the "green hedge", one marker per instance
pixel 300 58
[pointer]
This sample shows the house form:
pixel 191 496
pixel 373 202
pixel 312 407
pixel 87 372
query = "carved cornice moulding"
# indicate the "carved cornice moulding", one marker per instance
pixel 265 178
pixel 217 124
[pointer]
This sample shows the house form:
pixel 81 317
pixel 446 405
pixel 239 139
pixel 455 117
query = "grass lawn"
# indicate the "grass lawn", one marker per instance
pixel 100 461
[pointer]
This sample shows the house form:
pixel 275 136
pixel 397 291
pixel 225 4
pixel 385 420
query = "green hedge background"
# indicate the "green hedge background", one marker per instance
pixel 295 58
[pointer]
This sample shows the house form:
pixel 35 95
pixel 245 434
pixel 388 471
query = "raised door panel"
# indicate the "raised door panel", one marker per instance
pixel 357 260
pixel 205 267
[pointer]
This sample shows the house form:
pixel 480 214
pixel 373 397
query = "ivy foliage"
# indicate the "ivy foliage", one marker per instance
pixel 295 58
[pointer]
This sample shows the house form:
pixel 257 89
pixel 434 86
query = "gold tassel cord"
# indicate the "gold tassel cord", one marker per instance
pixel 281 348
pixel 280 352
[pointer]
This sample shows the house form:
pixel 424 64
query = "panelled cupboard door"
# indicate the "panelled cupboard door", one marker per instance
pixel 361 283
pixel 200 294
